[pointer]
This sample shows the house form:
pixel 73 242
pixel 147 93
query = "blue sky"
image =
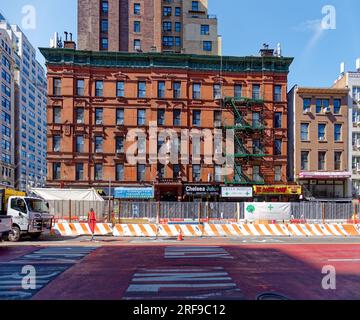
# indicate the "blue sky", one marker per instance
pixel 244 26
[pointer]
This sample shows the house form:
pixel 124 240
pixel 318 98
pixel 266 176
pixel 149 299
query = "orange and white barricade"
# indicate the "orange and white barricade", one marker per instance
pixel 79 229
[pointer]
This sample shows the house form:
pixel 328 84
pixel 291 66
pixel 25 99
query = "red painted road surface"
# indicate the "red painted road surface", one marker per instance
pixel 194 271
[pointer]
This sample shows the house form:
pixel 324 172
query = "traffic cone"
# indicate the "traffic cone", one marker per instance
pixel 180 236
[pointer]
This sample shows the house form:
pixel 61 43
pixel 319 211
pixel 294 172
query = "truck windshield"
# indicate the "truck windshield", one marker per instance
pixel 37 205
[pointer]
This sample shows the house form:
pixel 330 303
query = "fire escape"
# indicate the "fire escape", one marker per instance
pixel 244 132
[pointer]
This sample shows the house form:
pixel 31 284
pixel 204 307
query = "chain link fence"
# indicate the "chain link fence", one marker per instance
pixel 212 212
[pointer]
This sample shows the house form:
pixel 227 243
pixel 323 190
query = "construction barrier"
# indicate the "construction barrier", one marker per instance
pixel 79 229
pixel 209 230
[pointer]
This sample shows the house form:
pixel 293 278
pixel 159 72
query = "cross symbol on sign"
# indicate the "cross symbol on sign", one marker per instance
pixel 270 207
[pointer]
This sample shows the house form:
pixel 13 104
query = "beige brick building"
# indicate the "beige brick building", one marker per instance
pixel 147 26
pixel 319 134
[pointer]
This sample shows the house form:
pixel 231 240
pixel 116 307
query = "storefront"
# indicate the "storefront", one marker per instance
pixel 277 193
pixel 325 185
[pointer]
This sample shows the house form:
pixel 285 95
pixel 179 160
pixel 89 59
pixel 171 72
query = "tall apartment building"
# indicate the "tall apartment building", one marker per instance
pixel 177 26
pixel 318 142
pixel 351 80
pixel 29 137
pixel 7 108
pixel 96 98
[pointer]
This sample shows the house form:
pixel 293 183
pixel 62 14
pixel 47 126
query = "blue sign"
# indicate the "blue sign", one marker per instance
pixel 134 193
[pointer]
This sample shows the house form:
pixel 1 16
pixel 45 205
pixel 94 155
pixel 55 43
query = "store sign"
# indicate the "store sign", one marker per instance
pixel 134 193
pixel 324 175
pixel 267 211
pixel 201 190
pixel 236 192
pixel 278 190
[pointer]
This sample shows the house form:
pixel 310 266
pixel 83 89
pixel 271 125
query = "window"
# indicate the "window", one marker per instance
pixel 161 171
pixel 56 171
pixel 79 172
pixel 304 132
pixel 217 119
pixel 237 91
pixel 119 145
pixel 137 45
pixel 306 105
pixel 120 89
pixel 195 6
pixel 196 118
pixel 305 160
pixel 196 91
pixel 98 171
pixel 119 172
pixel 277 94
pixel 177 11
pixel 177 26
pixel 120 117
pixel 98 116
pixel 104 43
pixel 256 174
pixel 57 86
pixel 337 106
pixel 256 91
pixel 337 160
pixel 205 29
pixel 137 27
pixel 196 173
pixel 177 41
pixel 217 91
pixel 141 89
pixel 257 148
pixel 321 131
pixel 207 45
pixel 80 115
pixel 56 143
pixel 104 25
pixel 278 120
pixel 161 117
pixel 177 117
pixel 238 173
pixel 337 132
pixel 218 173
pixel 79 144
pixel 57 115
pixel 177 90
pixel 167 11
pixel 322 105
pixel 98 144
pixel 278 147
pixel 161 89
pixel 176 171
pixel 80 87
pixel 168 41
pixel 321 160
pixel 136 8
pixel 104 7
pixel 356 94
pixel 167 26
pixel 278 174
pixel 141 169
pixel 141 117
pixel 256 123
pixel 99 86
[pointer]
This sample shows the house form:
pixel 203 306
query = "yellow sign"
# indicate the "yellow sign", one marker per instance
pixel 278 190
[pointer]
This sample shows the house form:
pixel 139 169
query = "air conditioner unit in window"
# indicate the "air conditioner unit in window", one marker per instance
pixel 307 111
pixel 358 167
pixel 217 124
pixel 321 138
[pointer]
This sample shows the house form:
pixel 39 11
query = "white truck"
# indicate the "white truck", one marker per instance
pixel 30 216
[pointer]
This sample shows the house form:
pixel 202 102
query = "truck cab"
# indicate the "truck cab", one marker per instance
pixel 30 216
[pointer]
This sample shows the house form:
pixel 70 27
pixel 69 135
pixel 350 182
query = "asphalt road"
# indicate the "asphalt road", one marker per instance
pixel 195 269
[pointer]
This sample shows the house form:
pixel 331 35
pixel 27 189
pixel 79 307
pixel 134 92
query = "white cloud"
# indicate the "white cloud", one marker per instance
pixel 315 28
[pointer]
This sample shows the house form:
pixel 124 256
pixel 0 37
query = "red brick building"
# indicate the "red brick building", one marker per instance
pixel 95 98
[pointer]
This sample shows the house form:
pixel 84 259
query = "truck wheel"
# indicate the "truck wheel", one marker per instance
pixel 15 234
pixel 35 236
